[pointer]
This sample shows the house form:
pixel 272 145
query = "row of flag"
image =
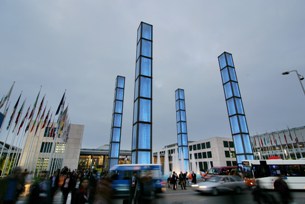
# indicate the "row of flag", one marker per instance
pixel 43 119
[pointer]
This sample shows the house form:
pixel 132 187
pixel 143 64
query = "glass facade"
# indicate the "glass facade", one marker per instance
pixel 141 145
pixel 237 117
pixel 116 127
pixel 182 138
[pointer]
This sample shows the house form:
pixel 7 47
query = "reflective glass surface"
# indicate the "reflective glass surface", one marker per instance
pixel 133 157
pixel 137 68
pixel 135 111
pixel 119 94
pixel 234 125
pixel 134 137
pixel 238 144
pixel 115 150
pixel 182 104
pixel 146 66
pixel 144 136
pixel 116 134
pixel 139 32
pixel 145 110
pixel 232 74
pixel 235 89
pixel 177 94
pixel 229 59
pixel 177 105
pixel 138 49
pixel 239 106
pixel 250 157
pixel 178 128
pixel 225 75
pixel 136 89
pixel 222 61
pixel 231 107
pixel 181 93
pixel 186 165
pixel 145 87
pixel 144 157
pixel 179 140
pixel 185 153
pixel 121 82
pixel 113 162
pixel 118 107
pixel 117 120
pixel 247 143
pixel 240 158
pixel 183 115
pixel 146 48
pixel 180 153
pixel 228 90
pixel 184 139
pixel 147 31
pixel 243 124
pixel 178 116
pixel 183 127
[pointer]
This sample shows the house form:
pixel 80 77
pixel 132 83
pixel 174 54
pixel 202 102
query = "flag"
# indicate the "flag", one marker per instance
pixel 13 113
pixel 62 121
pixel 7 97
pixel 261 142
pixel 60 103
pixel 274 140
pixel 285 139
pixel 4 115
pixel 19 114
pixel 32 112
pixel 290 135
pixel 39 110
pixel 24 118
pixel 46 118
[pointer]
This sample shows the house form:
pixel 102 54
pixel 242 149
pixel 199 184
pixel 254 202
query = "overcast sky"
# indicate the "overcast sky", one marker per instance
pixel 81 46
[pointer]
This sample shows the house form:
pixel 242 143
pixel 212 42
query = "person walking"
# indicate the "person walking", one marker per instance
pixel 194 179
pixel 282 188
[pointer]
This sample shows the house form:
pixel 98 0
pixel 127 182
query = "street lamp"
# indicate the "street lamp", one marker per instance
pixel 300 78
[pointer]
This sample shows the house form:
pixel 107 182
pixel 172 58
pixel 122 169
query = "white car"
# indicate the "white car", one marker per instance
pixel 217 184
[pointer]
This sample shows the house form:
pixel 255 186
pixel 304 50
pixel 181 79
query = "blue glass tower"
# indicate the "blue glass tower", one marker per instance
pixel 116 126
pixel 141 147
pixel 236 113
pixel 182 138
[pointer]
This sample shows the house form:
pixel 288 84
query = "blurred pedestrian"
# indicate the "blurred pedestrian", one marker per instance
pixel 282 188
pixel 194 179
pixel 133 185
pixel 84 194
pixel 103 192
pixel 40 190
pixel 174 179
pixel 66 187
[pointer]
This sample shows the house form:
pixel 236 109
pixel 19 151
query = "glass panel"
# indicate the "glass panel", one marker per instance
pixel 147 31
pixel 250 157
pixel 145 88
pixel 235 89
pixel 240 158
pixel 144 136
pixel 228 90
pixel 231 107
pixel 138 49
pixel 115 150
pixel 133 157
pixel 119 94
pixel 121 82
pixel 178 116
pixel 183 115
pixel 134 137
pixel 138 68
pixel 177 94
pixel 178 128
pixel 116 134
pixel 146 66
pixel 239 106
pixel 184 139
pixel 181 93
pixel 139 32
pixel 183 127
pixel 145 110
pixel 179 140
pixel 225 75
pixel 143 157
pixel 232 74
pixel 146 48
pixel 234 125
pixel 247 143
pixel 185 153
pixel 177 105
pixel 180 153
pixel 186 165
pixel 182 104
pixel 118 107
pixel 229 59
pixel 243 124
pixel 135 111
pixel 136 88
pixel 222 61
pixel 238 144
pixel 117 120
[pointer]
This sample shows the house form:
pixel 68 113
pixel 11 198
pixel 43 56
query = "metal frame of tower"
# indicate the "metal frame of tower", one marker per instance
pixel 141 147
pixel 236 113
pixel 182 137
pixel 116 125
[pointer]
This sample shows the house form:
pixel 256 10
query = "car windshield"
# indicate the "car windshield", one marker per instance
pixel 213 179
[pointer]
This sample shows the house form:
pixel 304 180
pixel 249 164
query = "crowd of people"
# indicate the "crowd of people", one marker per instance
pixel 182 179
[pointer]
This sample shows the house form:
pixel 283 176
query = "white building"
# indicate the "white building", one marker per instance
pixel 203 154
pixel 42 152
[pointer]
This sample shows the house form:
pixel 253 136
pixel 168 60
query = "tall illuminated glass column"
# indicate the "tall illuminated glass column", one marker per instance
pixel 141 150
pixel 182 138
pixel 116 126
pixel 236 113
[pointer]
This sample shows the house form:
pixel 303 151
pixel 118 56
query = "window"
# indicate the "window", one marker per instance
pixel 190 147
pixel 116 133
pixel 208 145
pixel 114 150
pixel 195 155
pixel 209 154
pixel 225 144
pixel 228 163
pixel 145 87
pixel 204 155
pixel 144 140
pixel 201 166
pixel 145 110
pixel 146 66
pixel 227 154
pixel 231 144
pixel 199 156
pixel 194 147
pixel 203 145
pixel 190 156
pixel 198 146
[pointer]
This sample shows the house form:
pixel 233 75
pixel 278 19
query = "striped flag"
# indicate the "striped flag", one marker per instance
pixel 19 114
pixel 39 110
pixel 61 103
pixel 32 112
pixel 7 96
pixel 46 119
pixel 23 120
pixel 13 113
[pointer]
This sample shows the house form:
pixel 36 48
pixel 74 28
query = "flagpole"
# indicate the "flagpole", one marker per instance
pixel 14 153
pixel 292 143
pixel 53 152
pixel 297 142
pixel 8 155
pixel 7 98
pixel 281 145
pixel 37 151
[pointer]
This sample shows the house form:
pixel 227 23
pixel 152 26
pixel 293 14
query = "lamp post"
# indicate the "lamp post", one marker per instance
pixel 300 77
